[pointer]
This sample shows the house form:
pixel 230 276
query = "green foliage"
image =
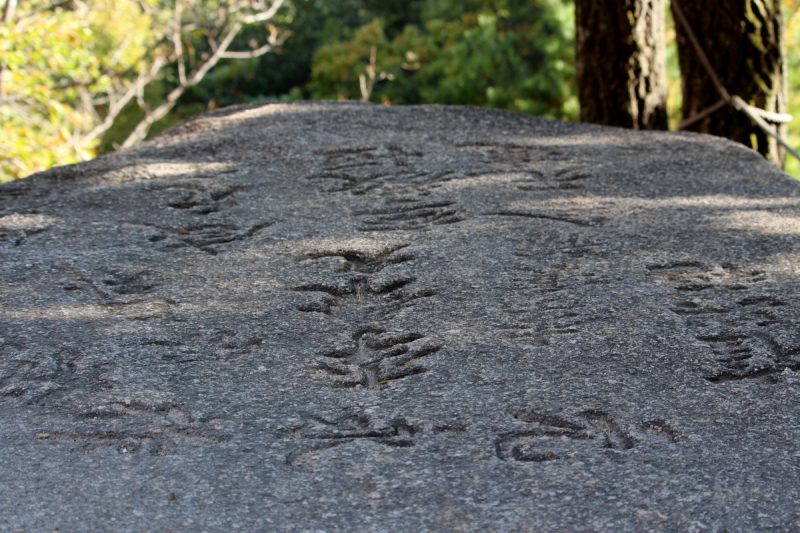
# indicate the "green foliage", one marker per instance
pixel 484 57
pixel 53 60
pixel 59 63
pixel 791 12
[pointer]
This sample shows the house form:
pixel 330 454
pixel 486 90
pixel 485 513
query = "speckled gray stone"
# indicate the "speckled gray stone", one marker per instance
pixel 350 318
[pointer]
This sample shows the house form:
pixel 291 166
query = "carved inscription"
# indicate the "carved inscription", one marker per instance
pixel 407 212
pixel 129 428
pixel 208 237
pixel 320 435
pixel 360 169
pixel 552 437
pixel 352 279
pixel 200 196
pixel 377 358
pixel 360 287
pixel 737 313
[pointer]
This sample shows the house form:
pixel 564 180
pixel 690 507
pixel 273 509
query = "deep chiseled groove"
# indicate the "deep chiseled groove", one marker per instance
pixel 403 297
pixel 403 208
pixel 693 287
pixel 395 351
pixel 761 300
pixel 449 219
pixel 518 455
pixel 371 434
pixel 393 286
pixel 399 374
pixel 408 216
pixel 355 256
pixel 700 311
pixel 221 194
pixel 400 258
pixel 333 290
pixel 415 355
pixel 524 446
pixel 397 443
pixel 547 186
pixel 615 436
pixel 546 216
pixel 383 227
pixel 340 353
pixel 675 264
pixel 159 342
pixel 390 339
pixel 573 176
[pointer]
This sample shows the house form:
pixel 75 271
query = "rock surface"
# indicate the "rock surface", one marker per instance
pixel 343 317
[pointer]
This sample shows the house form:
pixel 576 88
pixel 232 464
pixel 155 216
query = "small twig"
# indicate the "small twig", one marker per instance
pixel 177 39
pixel 741 105
pixel 700 53
pixel 136 89
pixel 702 114
pixel 264 15
pixel 86 100
pixel 368 82
pixel 275 39
pixel 759 116
pixel 8 11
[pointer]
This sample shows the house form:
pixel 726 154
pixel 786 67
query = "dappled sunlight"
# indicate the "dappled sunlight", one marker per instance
pixel 763 215
pixel 162 170
pixel 209 124
pixel 65 313
pixel 54 314
pixel 759 221
pixel 16 222
pixel 728 202
pixel 250 112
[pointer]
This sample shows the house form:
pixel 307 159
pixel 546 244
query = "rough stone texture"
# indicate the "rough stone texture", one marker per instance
pixel 343 317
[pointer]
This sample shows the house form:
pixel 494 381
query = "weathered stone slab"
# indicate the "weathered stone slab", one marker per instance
pixel 342 317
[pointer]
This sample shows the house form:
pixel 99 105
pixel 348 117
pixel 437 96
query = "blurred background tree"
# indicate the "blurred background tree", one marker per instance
pixel 620 49
pixel 744 43
pixel 69 69
pixel 792 21
pixel 61 59
pixel 511 54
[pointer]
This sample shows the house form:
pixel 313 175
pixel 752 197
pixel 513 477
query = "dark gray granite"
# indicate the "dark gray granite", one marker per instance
pixel 342 317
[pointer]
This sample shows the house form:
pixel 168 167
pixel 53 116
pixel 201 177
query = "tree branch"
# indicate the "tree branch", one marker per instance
pixel 177 40
pixel 116 107
pixel 8 11
pixel 140 132
pixel 230 15
pixel 275 39
pixel 264 15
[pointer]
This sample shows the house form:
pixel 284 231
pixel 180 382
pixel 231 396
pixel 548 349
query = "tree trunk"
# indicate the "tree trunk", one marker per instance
pixel 620 54
pixel 744 42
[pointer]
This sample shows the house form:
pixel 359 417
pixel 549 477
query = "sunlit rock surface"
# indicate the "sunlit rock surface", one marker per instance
pixel 343 317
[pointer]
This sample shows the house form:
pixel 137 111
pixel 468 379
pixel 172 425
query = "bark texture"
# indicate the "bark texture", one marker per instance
pixel 621 62
pixel 744 42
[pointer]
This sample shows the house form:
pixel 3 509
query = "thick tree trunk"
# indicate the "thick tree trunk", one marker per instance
pixel 620 55
pixel 744 42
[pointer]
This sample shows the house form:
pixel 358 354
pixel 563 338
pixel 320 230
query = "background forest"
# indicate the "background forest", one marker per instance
pixel 78 77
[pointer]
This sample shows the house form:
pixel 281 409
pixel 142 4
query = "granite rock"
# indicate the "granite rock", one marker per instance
pixel 344 317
